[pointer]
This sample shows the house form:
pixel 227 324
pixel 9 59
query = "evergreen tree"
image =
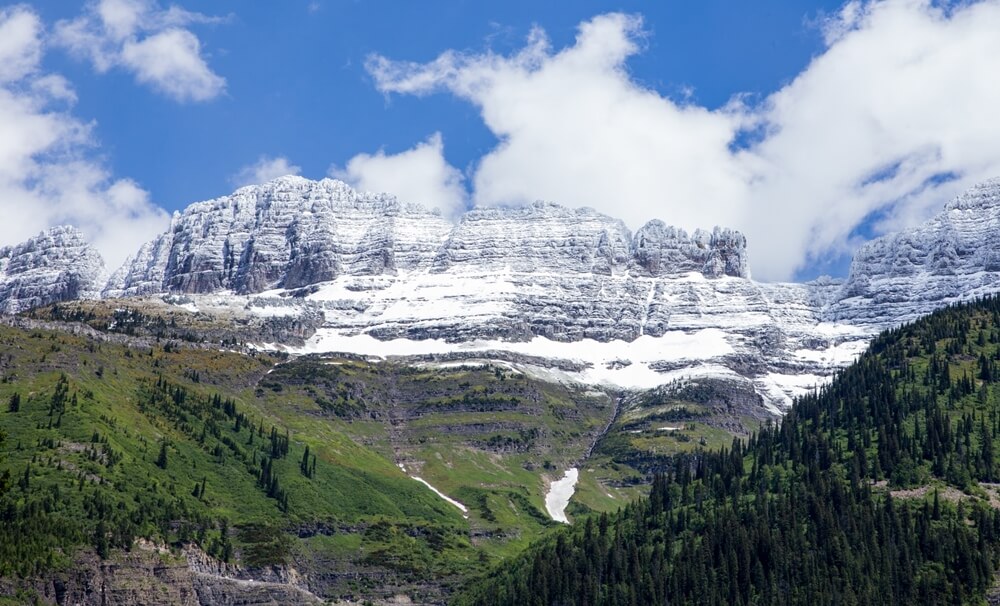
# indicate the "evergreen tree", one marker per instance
pixel 793 516
pixel 161 459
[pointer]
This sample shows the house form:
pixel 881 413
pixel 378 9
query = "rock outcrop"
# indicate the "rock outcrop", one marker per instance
pixel 952 257
pixel 663 250
pixel 151 574
pixel 56 265
pixel 288 233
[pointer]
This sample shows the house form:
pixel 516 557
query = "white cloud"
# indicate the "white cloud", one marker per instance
pixel 894 117
pixel 151 42
pixel 901 97
pixel 264 169
pixel 420 175
pixel 48 175
pixel 20 43
pixel 171 61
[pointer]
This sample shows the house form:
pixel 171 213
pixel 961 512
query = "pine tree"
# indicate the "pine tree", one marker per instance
pixel 101 544
pixel 161 459
pixel 304 465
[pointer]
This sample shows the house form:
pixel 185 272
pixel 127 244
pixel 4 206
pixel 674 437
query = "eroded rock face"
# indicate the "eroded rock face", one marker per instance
pixel 663 250
pixel 953 256
pixel 288 233
pixel 541 238
pixel 293 232
pixel 150 574
pixel 56 265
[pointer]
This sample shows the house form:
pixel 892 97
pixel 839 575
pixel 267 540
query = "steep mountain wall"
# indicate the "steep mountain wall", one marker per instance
pixel 56 265
pixel 541 280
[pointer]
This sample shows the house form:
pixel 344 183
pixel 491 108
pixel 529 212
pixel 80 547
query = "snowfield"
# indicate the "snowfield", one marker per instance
pixel 560 492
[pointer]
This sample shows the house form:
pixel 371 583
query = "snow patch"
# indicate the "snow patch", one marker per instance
pixel 835 356
pixel 601 358
pixel 784 388
pixel 559 495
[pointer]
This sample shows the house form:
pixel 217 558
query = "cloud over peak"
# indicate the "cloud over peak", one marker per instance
pixel 265 169
pixel 48 175
pixel 420 175
pixel 895 116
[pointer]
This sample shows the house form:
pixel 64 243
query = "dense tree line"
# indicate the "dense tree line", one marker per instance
pixel 803 512
pixel 41 525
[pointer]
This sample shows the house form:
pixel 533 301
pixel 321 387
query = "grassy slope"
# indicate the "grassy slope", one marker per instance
pixel 487 437
pixel 109 436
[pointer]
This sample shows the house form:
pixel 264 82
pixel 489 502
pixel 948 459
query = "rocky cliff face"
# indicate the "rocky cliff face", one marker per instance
pixel 541 238
pixel 662 250
pixel 384 278
pixel 293 232
pixel 954 256
pixel 56 265
pixel 150 574
pixel 288 233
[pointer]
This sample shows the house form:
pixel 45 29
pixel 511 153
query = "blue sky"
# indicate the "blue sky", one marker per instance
pixel 297 87
pixel 300 85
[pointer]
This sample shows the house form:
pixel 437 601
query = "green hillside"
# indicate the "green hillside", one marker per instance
pixel 263 460
pixel 105 444
pixel 881 489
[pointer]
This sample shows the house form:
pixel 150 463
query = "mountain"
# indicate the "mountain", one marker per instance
pixel 391 279
pixel 652 307
pixel 293 232
pixel 492 384
pixel 954 256
pixel 56 265
pixel 530 281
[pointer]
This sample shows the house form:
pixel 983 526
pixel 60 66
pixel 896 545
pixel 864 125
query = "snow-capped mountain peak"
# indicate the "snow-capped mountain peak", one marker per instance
pixel 568 286
pixel 56 265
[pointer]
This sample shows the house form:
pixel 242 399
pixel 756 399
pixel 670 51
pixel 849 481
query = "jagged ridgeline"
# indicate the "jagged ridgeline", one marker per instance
pixel 879 489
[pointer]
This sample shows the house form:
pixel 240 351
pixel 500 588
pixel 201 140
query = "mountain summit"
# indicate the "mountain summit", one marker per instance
pixel 367 274
pixel 293 232
pixel 56 265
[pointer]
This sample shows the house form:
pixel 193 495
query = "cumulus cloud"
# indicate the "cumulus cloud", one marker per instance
pixel 264 169
pixel 20 43
pixel 895 116
pixel 151 42
pixel 48 175
pixel 420 175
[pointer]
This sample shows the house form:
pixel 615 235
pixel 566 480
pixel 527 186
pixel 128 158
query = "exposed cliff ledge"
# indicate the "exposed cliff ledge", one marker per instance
pixel 150 574
pixel 953 256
